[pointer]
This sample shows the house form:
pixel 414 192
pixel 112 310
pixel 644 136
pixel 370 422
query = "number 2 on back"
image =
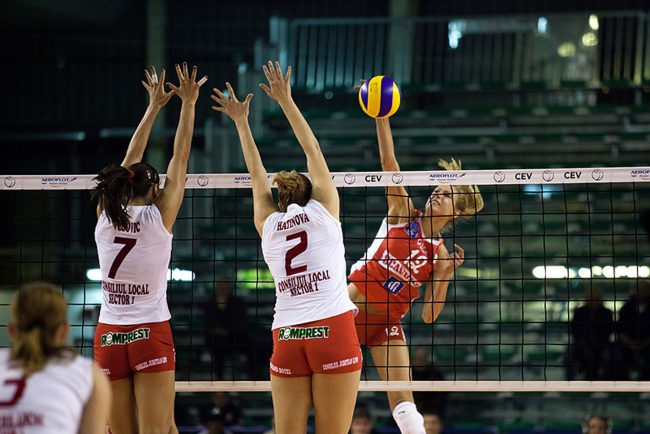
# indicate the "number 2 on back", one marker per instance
pixel 295 251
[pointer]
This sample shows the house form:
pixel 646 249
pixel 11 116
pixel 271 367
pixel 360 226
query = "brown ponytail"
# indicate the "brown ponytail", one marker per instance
pixel 38 310
pixel 118 185
pixel 293 187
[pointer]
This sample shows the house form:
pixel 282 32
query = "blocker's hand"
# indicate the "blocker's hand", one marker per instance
pixel 158 98
pixel 188 88
pixel 279 87
pixel 230 105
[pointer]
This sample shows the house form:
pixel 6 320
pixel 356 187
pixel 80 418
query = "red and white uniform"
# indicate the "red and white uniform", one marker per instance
pixel 50 401
pixel 304 250
pixel 313 326
pixel 133 334
pixel 134 267
pixel 398 262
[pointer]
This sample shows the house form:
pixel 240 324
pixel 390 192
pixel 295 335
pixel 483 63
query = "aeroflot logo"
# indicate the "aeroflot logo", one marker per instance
pixel 57 180
pixel 242 179
pixel 445 178
pixel 299 333
pixel 640 173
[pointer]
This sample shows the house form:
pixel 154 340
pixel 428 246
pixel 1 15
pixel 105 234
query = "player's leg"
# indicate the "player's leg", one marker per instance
pixel 334 394
pixel 122 416
pixel 291 403
pixel 154 394
pixel 393 363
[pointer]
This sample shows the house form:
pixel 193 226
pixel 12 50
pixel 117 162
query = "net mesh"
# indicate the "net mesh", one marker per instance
pixel 546 241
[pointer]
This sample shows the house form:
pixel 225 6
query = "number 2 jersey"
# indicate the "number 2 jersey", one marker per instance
pixel 134 267
pixel 398 262
pixel 304 250
pixel 49 401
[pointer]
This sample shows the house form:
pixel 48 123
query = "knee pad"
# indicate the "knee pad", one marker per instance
pixel 408 419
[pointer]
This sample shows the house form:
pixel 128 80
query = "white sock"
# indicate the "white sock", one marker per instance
pixel 408 419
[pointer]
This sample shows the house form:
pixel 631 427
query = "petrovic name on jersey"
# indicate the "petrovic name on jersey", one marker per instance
pixel 299 285
pixel 124 293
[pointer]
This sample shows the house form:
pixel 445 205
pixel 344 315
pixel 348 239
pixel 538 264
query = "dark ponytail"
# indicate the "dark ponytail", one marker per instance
pixel 118 185
pixel 114 191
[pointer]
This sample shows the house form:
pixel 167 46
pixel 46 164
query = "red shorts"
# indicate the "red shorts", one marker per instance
pixel 122 350
pixel 375 330
pixel 326 346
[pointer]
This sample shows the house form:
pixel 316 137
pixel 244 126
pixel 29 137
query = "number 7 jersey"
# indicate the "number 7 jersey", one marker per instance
pixel 304 250
pixel 134 267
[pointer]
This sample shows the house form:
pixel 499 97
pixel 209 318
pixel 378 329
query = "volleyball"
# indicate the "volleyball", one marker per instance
pixel 379 97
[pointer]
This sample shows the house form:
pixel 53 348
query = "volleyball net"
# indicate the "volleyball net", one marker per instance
pixel 547 243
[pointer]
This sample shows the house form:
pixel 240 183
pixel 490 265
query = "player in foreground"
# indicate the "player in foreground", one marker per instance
pixel 133 340
pixel 316 354
pixel 407 253
pixel 46 387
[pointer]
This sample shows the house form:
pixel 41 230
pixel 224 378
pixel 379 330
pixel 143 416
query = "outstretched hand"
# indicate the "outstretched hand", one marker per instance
pixel 279 87
pixel 158 98
pixel 188 88
pixel 357 88
pixel 230 105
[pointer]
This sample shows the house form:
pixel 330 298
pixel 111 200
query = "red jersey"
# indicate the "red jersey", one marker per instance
pixel 398 262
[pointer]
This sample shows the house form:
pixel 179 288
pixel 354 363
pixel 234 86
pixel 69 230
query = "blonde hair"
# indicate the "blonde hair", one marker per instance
pixel 38 310
pixel 293 187
pixel 467 198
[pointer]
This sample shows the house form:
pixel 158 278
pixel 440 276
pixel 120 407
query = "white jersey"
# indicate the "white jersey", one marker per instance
pixel 50 401
pixel 304 250
pixel 134 267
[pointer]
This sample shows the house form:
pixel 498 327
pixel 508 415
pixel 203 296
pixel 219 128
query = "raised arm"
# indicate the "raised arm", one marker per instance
pixel 169 201
pixel 158 98
pixel 400 206
pixel 236 110
pixel 279 89
pixel 436 291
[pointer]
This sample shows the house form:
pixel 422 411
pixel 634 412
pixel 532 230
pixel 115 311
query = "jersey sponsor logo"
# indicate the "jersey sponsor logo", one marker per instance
pixel 413 229
pixel 341 363
pixel 149 363
pixel 285 371
pixel 394 285
pixel 121 338
pixel 293 222
pixel 301 333
pixel 303 284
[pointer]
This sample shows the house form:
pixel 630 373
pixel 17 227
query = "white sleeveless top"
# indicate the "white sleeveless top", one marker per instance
pixel 134 267
pixel 50 401
pixel 304 250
